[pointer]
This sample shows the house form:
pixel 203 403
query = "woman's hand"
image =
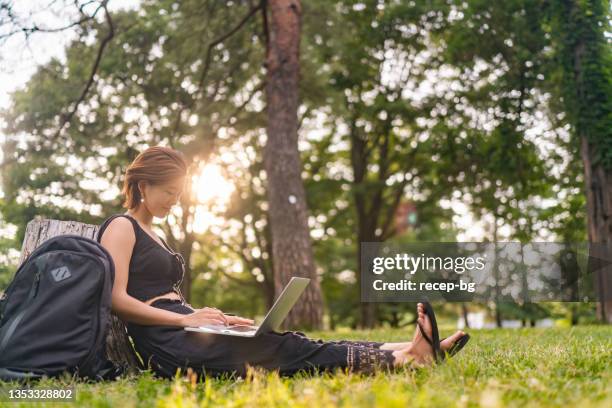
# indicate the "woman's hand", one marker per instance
pixel 231 318
pixel 239 320
pixel 220 317
pixel 204 316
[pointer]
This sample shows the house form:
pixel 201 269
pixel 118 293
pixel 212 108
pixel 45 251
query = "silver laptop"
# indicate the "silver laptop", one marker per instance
pixel 273 319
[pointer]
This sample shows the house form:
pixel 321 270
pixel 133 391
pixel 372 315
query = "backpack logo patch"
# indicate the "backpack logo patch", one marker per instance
pixel 61 273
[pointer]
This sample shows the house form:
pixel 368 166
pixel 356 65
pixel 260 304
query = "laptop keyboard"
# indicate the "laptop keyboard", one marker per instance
pixel 242 328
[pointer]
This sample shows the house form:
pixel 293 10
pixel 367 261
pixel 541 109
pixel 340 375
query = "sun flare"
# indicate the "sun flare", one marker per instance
pixel 212 192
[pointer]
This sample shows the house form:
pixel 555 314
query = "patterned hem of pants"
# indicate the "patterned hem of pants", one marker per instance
pixel 365 356
pixel 369 360
pixel 368 344
pixel 356 343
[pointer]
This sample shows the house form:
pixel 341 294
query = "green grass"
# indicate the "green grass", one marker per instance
pixel 502 367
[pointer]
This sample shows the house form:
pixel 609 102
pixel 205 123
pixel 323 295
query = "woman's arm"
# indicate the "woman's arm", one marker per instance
pixel 119 239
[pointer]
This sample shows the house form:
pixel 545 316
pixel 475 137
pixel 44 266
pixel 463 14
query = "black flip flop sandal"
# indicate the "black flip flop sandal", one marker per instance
pixel 456 347
pixel 435 340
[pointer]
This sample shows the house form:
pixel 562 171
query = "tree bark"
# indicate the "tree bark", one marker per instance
pixel 597 179
pixel 292 252
pixel 498 316
pixel 368 310
pixel 365 228
pixel 118 346
pixel 464 313
pixel 598 186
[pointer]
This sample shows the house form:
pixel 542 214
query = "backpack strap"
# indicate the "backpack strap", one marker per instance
pixel 6 374
pixel 112 217
pixel 109 371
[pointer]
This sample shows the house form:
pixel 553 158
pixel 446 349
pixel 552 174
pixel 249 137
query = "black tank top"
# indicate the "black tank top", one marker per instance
pixel 154 270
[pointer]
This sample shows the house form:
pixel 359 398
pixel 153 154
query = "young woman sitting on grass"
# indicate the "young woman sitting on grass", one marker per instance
pixel 146 296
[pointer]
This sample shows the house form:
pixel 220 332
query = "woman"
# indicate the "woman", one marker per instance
pixel 147 297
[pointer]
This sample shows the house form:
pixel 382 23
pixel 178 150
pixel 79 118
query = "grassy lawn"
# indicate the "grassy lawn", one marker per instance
pixel 502 367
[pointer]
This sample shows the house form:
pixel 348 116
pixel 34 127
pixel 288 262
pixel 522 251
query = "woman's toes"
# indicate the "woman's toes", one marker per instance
pixel 450 340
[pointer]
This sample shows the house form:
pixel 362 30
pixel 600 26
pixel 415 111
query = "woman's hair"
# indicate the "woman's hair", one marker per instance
pixel 155 165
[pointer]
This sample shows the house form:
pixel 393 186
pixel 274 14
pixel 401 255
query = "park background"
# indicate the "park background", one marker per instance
pixel 313 126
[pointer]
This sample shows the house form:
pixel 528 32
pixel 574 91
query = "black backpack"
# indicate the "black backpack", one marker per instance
pixel 55 314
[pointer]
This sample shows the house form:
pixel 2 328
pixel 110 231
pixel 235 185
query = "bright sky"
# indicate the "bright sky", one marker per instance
pixel 20 57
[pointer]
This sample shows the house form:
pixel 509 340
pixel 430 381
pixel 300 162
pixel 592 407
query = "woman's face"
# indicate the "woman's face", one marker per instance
pixel 160 198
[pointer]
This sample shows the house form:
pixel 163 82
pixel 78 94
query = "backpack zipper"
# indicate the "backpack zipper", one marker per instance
pixel 2 303
pixel 12 324
pixel 5 294
pixel 32 257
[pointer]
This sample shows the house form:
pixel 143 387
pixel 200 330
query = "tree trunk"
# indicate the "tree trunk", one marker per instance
pixel 118 346
pixel 368 310
pixel 573 314
pixel 589 77
pixel 598 185
pixel 292 252
pixel 365 227
pixel 464 313
pixel 498 316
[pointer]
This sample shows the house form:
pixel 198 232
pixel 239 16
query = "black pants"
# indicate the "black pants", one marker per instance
pixel 164 349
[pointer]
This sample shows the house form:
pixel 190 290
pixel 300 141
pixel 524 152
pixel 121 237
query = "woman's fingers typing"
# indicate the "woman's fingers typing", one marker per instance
pixel 225 319
pixel 211 314
pixel 194 319
pixel 239 320
pixel 211 309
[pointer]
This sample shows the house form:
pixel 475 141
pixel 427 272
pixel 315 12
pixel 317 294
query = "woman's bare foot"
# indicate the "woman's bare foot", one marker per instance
pixel 420 352
pixel 448 342
pixel 445 344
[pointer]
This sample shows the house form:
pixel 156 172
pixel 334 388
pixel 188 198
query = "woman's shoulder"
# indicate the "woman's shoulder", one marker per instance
pixel 119 225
